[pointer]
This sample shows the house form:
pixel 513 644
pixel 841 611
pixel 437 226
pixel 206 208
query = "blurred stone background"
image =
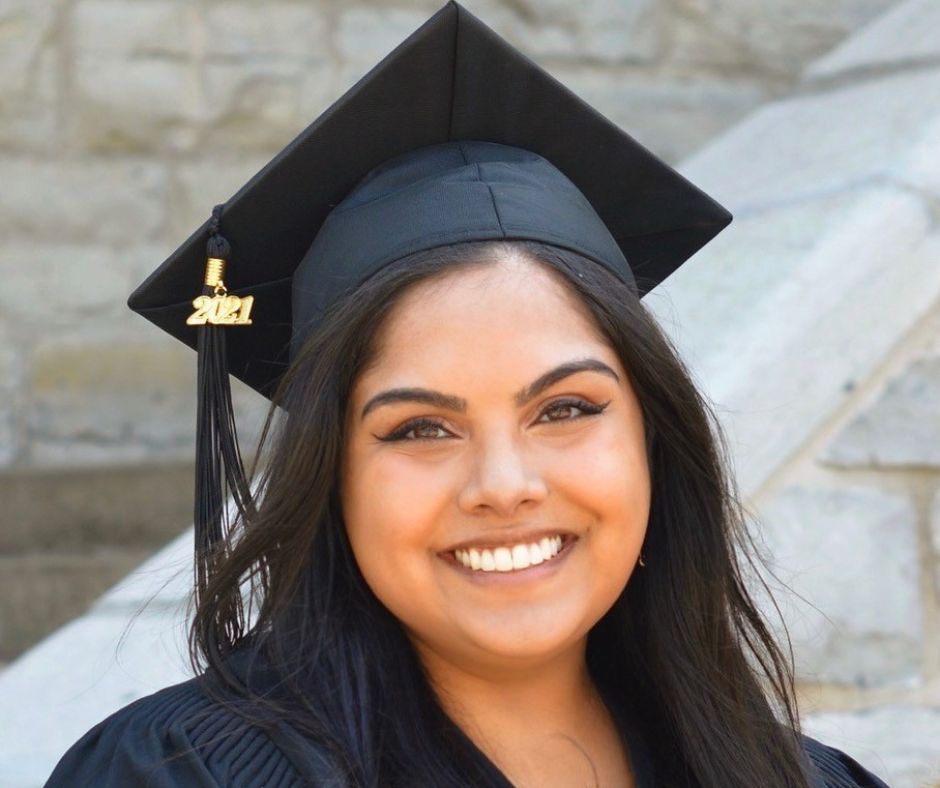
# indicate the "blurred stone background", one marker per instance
pixel 122 122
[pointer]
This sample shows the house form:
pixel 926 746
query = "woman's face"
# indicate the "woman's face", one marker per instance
pixel 498 429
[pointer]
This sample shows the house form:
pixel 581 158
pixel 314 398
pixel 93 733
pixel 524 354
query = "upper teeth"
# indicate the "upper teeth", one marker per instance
pixel 505 559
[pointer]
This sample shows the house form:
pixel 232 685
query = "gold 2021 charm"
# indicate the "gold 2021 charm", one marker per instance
pixel 221 310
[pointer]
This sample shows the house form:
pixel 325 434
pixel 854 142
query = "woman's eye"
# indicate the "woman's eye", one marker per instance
pixel 423 430
pixel 565 407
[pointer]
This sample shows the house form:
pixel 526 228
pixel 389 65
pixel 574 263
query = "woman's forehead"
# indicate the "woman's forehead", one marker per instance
pixel 502 298
pixel 508 320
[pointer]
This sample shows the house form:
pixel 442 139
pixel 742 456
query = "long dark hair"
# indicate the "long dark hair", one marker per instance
pixel 684 647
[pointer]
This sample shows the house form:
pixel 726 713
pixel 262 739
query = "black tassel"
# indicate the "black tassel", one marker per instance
pixel 219 468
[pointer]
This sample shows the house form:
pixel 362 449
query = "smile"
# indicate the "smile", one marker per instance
pixel 511 557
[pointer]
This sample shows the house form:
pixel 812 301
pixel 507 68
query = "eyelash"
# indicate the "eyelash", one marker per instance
pixel 588 408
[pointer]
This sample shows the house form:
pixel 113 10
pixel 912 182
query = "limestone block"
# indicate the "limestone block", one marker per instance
pixel 24 29
pixel 272 71
pixel 900 744
pixel 695 40
pixel 364 35
pixel 84 509
pixel 97 201
pixel 819 144
pixel 11 375
pixel 137 90
pixel 546 32
pixel 616 30
pixel 135 105
pixel 543 34
pixel 43 591
pixel 28 87
pixel 671 117
pixel 934 518
pixel 157 29
pixel 604 30
pixel 903 35
pixel 101 400
pixel 110 401
pixel 770 314
pixel 900 428
pixel 252 105
pixel 50 286
pixel 600 30
pixel 779 37
pixel 839 549
pixel 246 30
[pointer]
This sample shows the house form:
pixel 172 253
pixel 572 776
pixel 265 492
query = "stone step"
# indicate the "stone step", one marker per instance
pixel 66 536
pixel 75 509
pixel 41 591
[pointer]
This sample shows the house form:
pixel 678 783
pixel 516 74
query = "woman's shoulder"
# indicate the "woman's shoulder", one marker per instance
pixel 180 736
pixel 148 742
pixel 836 769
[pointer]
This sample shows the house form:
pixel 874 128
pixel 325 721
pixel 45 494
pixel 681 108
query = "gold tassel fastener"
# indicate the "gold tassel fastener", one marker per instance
pixel 220 309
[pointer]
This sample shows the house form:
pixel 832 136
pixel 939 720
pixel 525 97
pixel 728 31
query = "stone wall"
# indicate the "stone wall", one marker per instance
pixel 814 324
pixel 852 524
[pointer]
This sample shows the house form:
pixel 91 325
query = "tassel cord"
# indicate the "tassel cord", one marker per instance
pixel 219 467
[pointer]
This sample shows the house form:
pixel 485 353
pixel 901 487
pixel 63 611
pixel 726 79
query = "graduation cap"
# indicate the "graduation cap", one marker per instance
pixel 454 136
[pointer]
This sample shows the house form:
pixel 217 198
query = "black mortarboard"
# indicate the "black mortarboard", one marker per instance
pixel 455 135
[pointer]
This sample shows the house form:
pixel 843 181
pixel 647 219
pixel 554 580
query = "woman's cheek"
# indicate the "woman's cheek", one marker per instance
pixel 403 493
pixel 610 460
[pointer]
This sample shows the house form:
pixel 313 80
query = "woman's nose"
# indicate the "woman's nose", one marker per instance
pixel 501 478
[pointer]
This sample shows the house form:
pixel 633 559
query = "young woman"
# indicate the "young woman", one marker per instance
pixel 493 541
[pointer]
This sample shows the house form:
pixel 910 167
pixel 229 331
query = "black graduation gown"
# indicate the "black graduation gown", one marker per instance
pixel 179 738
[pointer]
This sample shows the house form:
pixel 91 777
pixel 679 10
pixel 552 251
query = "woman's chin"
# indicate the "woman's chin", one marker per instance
pixel 523 641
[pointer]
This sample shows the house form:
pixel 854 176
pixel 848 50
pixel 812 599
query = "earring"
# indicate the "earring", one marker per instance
pixel 642 561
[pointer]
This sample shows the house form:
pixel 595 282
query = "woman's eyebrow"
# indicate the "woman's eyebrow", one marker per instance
pixel 452 402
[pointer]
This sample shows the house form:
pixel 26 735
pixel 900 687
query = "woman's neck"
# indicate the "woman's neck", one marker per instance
pixel 529 718
pixel 551 689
